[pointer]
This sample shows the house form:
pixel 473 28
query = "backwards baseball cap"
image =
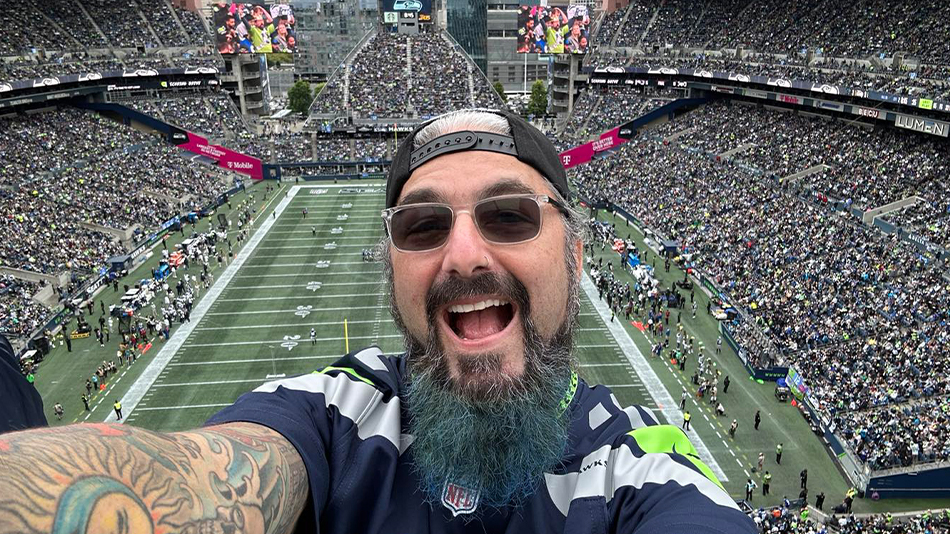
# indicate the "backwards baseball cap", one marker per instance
pixel 526 143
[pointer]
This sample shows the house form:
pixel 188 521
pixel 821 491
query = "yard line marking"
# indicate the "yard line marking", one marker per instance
pixel 213 382
pixel 596 346
pixel 622 385
pixel 314 254
pixel 375 273
pixel 618 364
pixel 732 453
pixel 294 310
pixel 157 408
pixel 284 325
pixel 349 235
pixel 252 360
pixel 738 462
pixel 279 341
pixel 304 285
pixel 136 393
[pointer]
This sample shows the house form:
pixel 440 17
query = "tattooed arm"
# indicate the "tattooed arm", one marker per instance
pixel 237 477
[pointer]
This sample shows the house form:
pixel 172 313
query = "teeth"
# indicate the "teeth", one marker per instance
pixel 465 308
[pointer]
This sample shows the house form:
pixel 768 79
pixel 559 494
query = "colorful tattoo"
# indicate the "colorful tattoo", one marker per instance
pixel 115 478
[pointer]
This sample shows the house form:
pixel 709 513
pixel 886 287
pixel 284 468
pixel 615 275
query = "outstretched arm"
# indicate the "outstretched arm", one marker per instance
pixel 238 477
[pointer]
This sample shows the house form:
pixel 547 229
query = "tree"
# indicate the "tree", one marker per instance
pixel 538 104
pixel 300 97
pixel 500 89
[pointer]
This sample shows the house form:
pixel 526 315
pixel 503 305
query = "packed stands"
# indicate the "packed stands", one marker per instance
pixel 393 75
pixel 861 314
pixel 58 179
pixel 20 315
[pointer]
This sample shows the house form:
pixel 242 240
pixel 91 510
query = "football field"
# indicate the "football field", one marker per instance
pixel 296 274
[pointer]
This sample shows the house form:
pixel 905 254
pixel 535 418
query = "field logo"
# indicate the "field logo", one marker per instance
pixel 458 499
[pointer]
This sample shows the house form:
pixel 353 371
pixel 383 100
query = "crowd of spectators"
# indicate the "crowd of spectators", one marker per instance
pixel 57 180
pixel 379 77
pixel 785 520
pixel 53 37
pixel 930 216
pixel 398 75
pixel 191 113
pixel 431 93
pixel 19 314
pixel 786 27
pixel 637 19
pixel 924 80
pixel 861 314
pixel 866 168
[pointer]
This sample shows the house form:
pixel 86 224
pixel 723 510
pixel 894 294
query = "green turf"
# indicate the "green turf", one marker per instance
pixel 248 334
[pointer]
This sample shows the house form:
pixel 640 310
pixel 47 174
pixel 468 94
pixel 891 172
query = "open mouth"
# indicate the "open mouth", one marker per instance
pixel 478 320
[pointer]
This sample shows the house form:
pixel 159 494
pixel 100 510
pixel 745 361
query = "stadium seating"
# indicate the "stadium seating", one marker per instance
pixel 859 313
pixel 398 76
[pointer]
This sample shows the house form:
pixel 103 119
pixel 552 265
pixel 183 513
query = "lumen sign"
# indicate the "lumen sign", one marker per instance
pixel 918 124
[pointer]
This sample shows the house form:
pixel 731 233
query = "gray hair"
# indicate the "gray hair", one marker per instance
pixel 466 119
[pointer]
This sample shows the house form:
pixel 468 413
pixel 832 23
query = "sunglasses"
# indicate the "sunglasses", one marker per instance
pixel 502 220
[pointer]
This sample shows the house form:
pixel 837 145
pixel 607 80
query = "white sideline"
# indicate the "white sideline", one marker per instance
pixel 654 386
pixel 134 395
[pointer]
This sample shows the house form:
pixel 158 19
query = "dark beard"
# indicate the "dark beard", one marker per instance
pixel 487 431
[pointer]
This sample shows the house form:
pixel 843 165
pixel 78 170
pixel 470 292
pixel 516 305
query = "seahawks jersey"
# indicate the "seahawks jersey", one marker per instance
pixel 623 472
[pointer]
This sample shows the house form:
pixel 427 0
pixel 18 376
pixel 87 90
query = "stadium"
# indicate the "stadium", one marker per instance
pixel 192 194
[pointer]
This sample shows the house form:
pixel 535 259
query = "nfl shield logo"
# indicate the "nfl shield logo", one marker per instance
pixel 458 499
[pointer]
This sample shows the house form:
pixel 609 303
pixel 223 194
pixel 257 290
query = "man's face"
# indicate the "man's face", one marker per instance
pixel 484 387
pixel 483 349
pixel 229 22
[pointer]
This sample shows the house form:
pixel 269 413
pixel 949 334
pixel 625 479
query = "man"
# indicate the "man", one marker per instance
pixel 686 418
pixel 804 478
pixel 482 426
pixel 118 409
pixel 778 454
pixel 758 418
pixel 766 483
pixel 58 411
pixel 85 401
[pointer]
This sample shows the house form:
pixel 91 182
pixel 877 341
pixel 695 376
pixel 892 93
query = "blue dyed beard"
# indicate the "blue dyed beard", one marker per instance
pixel 497 438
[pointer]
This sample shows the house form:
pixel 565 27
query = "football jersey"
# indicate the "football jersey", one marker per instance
pixel 623 472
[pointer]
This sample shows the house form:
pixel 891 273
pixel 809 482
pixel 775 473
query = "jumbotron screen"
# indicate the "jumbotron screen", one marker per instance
pixel 253 28
pixel 553 29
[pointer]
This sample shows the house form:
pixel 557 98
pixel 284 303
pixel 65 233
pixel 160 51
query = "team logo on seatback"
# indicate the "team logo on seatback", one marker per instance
pixel 458 499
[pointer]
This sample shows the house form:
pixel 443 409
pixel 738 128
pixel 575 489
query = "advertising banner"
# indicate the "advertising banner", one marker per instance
pixel 577 155
pixel 922 125
pixel 225 157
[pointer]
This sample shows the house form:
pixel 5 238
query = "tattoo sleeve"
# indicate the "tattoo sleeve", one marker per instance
pixel 115 478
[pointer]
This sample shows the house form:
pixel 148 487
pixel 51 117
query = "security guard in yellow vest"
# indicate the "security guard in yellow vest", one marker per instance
pixel 118 409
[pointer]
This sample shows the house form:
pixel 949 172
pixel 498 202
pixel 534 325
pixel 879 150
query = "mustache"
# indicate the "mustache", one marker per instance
pixel 488 283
